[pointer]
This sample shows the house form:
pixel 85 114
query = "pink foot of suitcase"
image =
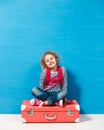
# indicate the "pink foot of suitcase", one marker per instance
pixel 70 112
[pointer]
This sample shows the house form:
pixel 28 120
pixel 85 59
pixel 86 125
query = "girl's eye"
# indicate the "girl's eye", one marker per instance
pixel 47 61
pixel 51 58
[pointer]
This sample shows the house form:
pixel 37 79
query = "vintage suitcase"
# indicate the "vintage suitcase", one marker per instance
pixel 70 112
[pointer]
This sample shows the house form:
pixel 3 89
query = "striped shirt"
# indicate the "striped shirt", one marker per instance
pixel 55 87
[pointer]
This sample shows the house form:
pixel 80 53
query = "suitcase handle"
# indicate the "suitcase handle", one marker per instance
pixel 50 118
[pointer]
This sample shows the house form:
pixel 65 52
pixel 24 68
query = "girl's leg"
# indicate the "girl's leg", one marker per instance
pixel 40 94
pixel 56 96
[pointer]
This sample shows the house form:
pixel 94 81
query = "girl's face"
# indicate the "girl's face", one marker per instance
pixel 50 61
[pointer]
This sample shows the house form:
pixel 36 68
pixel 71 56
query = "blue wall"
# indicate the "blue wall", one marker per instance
pixel 74 29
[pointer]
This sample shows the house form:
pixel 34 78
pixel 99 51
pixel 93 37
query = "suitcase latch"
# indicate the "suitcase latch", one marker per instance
pixel 30 112
pixel 70 112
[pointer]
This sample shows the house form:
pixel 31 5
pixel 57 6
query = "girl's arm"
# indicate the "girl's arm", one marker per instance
pixel 64 84
pixel 42 79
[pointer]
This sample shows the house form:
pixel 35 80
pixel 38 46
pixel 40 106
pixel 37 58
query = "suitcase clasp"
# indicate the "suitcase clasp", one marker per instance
pixel 70 112
pixel 30 112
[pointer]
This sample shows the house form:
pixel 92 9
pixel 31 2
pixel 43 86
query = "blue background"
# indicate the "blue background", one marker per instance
pixel 74 29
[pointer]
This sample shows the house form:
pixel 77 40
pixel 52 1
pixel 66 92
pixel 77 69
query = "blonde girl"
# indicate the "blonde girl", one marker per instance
pixel 53 82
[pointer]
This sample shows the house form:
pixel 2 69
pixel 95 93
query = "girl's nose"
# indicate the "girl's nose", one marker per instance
pixel 49 61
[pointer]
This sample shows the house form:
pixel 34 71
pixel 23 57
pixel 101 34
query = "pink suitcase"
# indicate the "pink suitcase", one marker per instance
pixel 70 112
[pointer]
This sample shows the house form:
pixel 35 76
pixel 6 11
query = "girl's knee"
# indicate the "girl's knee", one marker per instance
pixel 34 91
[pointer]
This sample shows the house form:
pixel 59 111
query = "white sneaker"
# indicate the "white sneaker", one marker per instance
pixel 60 103
pixel 32 102
pixel 36 102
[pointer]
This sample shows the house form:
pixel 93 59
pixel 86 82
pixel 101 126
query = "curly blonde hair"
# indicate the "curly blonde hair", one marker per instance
pixel 42 62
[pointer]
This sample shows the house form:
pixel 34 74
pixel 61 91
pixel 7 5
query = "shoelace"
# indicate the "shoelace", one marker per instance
pixel 41 104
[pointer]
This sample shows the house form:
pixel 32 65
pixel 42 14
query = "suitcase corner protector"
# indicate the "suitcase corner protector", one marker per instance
pixel 23 120
pixel 23 107
pixel 77 107
pixel 77 120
